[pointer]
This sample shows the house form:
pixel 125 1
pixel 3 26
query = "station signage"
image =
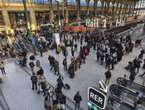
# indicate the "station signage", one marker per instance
pixel 97 97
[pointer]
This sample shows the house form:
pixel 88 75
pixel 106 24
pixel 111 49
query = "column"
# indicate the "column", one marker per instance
pixel 51 11
pixel 6 18
pixel 66 11
pixel 78 9
pixel 33 20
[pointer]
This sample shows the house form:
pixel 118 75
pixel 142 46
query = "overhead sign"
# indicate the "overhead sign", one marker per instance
pixel 97 97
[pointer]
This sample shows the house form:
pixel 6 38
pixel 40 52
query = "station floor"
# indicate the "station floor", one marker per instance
pixel 17 91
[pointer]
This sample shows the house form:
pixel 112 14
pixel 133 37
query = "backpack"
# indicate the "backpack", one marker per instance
pixel 67 86
pixel 34 78
pixel 58 50
pixel 64 62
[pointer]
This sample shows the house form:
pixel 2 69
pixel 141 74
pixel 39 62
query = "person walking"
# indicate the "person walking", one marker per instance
pixel 77 99
pixel 107 76
pixel 34 81
pixel 2 68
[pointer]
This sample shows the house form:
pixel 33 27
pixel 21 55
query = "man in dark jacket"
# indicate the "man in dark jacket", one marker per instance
pixel 65 63
pixel 108 76
pixel 77 99
pixel 34 82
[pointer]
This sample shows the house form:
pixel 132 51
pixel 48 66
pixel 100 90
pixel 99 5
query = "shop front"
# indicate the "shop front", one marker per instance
pixel 42 17
pixel 17 19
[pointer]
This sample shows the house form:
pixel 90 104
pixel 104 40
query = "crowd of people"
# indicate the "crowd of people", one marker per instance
pixel 6 51
pixel 54 97
pixel 135 65
pixel 109 51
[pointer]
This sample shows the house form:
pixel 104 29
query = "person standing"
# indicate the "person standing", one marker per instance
pixel 77 99
pixel 2 68
pixel 34 43
pixel 107 76
pixel 47 104
pixel 34 82
pixel 65 63
pixel 112 62
pixel 132 78
pixel 72 51
pixel 75 46
pixel 41 50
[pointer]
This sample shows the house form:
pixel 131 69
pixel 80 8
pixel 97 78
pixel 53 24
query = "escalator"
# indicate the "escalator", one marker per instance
pixel 134 86
pixel 121 98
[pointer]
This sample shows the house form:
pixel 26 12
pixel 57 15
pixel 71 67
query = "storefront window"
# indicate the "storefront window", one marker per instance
pixel 1 19
pixel 42 17
pixel 17 19
pixel 72 16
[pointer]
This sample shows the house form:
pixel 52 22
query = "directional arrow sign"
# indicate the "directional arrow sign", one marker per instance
pixel 97 97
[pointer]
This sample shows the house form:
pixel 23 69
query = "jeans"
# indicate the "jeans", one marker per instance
pixel 77 106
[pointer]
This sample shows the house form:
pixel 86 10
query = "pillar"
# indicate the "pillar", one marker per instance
pixel 51 11
pixel 6 18
pixel 66 11
pixel 78 9
pixel 33 20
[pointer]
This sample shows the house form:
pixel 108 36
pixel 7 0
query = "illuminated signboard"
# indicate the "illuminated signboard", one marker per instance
pixel 97 97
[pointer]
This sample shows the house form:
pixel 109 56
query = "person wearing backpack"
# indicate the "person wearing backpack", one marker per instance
pixel 77 99
pixel 2 68
pixel 34 82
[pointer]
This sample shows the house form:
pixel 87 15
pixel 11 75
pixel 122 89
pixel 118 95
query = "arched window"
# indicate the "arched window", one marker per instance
pixel 99 4
pixel 72 2
pixel 110 5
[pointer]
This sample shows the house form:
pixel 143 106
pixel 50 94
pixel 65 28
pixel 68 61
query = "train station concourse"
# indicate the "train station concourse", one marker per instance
pixel 72 54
